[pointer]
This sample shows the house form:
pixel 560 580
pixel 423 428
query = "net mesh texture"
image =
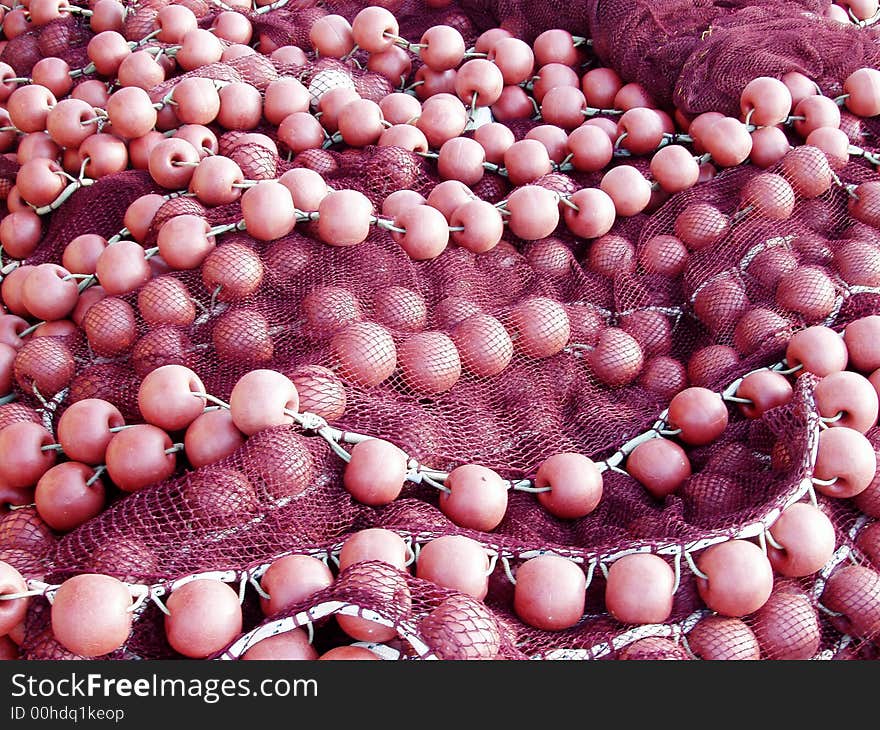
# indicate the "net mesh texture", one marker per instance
pixel 281 492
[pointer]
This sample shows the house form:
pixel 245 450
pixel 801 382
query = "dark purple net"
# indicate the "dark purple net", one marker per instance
pixel 728 311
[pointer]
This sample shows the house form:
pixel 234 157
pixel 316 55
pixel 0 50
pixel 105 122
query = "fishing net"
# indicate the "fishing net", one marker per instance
pixel 718 316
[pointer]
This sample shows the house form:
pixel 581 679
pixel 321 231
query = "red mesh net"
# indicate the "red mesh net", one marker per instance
pixel 728 309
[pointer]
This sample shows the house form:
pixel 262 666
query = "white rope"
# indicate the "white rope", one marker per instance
pixel 693 566
pixel 505 563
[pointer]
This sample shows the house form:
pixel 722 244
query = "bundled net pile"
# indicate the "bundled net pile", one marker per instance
pixel 791 258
